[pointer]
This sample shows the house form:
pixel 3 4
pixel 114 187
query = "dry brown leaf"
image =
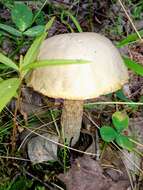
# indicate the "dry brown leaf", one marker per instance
pixel 86 173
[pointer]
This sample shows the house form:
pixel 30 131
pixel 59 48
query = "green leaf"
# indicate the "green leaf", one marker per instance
pixel 129 39
pixel 10 30
pixel 52 62
pixel 8 62
pixel 8 89
pixel 134 66
pixel 22 16
pixel 3 67
pixel 32 53
pixel 4 33
pixel 121 96
pixel 34 31
pixel 124 142
pixel 107 133
pixel 120 121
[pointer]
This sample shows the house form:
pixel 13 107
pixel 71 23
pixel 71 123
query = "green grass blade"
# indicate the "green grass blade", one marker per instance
pixel 134 66
pixel 54 62
pixel 49 24
pixel 8 89
pixel 8 62
pixel 38 13
pixel 129 39
pixel 66 23
pixel 74 20
pixel 10 30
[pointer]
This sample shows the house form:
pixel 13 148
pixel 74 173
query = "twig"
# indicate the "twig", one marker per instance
pixel 15 158
pixel 32 132
pixel 116 103
pixel 129 18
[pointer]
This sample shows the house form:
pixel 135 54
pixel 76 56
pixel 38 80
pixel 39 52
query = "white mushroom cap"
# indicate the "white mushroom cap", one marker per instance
pixel 104 74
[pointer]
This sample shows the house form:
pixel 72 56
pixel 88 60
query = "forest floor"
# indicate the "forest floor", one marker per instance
pixel 109 166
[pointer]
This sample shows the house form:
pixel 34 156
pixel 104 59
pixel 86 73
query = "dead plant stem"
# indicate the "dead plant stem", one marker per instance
pixel 15 124
pixel 131 21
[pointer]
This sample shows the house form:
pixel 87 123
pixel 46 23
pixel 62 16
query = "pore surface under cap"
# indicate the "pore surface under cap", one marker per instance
pixel 104 74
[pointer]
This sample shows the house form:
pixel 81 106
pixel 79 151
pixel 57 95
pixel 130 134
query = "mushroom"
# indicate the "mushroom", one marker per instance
pixel 104 74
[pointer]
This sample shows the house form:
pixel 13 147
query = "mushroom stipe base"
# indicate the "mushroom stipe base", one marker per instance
pixel 71 120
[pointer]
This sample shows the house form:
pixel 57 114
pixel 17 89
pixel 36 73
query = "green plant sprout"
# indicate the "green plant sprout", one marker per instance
pixel 23 19
pixel 120 121
pixel 9 87
pixel 130 39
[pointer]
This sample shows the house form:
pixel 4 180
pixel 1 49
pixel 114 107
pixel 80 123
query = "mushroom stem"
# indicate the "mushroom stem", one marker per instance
pixel 71 120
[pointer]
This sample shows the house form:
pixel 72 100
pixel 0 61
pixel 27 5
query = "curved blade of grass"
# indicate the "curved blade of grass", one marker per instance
pixel 49 24
pixel 129 39
pixel 74 20
pixel 66 23
pixel 134 66
pixel 39 11
pixel 54 62
pixel 8 62
pixel 8 89
pixel 10 30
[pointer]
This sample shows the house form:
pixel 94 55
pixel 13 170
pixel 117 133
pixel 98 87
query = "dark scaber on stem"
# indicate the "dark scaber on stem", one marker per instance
pixel 71 120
